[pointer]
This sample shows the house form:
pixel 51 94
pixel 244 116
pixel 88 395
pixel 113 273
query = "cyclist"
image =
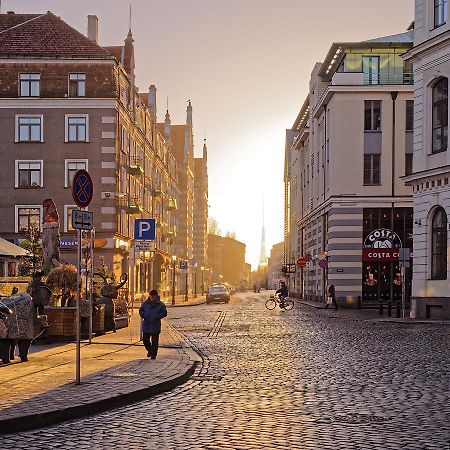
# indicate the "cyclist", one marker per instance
pixel 283 292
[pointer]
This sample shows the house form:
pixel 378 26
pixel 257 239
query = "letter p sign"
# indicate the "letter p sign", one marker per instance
pixel 144 229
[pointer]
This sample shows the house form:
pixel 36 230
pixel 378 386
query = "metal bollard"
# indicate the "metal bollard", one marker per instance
pixel 381 308
pixel 359 302
pixel 398 310
pixel 389 308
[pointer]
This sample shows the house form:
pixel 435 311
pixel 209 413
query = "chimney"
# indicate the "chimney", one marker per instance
pixel 152 102
pixel 92 33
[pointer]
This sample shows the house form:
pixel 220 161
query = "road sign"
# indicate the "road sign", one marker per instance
pixel 290 268
pixel 323 263
pixel 82 188
pixel 144 229
pixel 144 246
pixel 308 257
pixel 301 261
pixel 82 220
pixel 183 264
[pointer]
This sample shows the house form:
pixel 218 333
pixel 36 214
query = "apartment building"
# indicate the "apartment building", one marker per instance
pixel 347 209
pixel 67 103
pixel 274 266
pixel 430 58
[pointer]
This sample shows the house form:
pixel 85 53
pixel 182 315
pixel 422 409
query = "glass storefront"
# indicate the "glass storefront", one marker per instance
pixel 385 230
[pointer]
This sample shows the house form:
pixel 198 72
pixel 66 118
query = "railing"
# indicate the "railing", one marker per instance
pixel 388 78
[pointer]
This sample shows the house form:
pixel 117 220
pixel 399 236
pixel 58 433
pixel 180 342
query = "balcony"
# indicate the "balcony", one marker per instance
pixel 172 204
pixel 135 206
pixel 136 167
pixel 381 78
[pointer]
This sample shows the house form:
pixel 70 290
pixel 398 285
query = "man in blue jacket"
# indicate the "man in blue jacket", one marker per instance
pixel 152 311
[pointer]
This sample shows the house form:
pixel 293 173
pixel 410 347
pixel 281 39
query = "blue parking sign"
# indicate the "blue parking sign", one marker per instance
pixel 144 229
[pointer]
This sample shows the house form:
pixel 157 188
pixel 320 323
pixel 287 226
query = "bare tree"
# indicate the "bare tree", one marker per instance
pixel 33 245
pixel 230 234
pixel 213 226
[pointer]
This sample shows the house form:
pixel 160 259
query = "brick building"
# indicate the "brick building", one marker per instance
pixel 67 103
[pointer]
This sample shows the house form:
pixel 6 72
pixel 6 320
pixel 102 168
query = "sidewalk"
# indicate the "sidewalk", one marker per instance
pixel 114 371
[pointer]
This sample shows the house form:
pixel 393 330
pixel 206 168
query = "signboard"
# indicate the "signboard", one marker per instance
pixel 290 268
pixel 144 246
pixel 183 264
pixel 144 229
pixel 382 245
pixel 82 188
pixel 82 220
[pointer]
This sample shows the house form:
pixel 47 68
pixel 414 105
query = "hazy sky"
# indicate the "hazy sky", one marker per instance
pixel 245 64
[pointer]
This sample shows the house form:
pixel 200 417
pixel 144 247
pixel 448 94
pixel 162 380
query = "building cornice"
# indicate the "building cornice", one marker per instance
pixel 53 103
pixel 365 88
pixel 428 173
pixel 429 46
pixel 45 60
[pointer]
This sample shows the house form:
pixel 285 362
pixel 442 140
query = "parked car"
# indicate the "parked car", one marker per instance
pixel 217 293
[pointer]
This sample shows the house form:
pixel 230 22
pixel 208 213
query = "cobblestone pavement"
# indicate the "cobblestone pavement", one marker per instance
pixel 304 379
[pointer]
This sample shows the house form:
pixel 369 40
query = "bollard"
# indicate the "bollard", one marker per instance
pixel 389 308
pixel 381 308
pixel 359 302
pixel 398 310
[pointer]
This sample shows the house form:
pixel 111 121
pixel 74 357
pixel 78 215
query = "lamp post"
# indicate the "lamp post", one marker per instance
pixel 195 281
pixel 174 260
pixel 203 286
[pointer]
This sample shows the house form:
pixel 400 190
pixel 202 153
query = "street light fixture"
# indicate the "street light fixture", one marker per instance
pixel 174 260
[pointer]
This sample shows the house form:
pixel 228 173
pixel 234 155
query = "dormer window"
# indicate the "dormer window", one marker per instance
pixel 30 84
pixel 77 85
pixel 440 12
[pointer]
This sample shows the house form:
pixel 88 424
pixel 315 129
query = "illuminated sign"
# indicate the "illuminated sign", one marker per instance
pixel 382 245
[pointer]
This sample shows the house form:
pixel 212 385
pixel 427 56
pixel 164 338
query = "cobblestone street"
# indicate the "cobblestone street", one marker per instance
pixel 304 379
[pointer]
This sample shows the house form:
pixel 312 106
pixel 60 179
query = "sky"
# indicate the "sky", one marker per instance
pixel 245 65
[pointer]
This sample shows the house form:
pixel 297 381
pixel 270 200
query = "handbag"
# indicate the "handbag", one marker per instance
pixel 329 300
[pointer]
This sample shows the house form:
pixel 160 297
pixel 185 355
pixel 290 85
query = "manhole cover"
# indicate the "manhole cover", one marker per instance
pixel 120 374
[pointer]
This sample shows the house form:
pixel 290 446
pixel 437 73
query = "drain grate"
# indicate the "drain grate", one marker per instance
pixel 355 419
pixel 207 378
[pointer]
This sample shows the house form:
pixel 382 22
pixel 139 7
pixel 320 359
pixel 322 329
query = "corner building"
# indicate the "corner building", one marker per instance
pixel 430 58
pixel 345 157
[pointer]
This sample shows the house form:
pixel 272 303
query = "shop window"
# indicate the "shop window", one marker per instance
pixel 439 245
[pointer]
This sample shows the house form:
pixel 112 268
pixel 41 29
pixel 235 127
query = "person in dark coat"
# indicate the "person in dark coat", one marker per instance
pixel 332 294
pixel 152 311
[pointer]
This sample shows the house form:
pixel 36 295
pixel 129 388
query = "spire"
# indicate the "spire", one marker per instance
pixel 263 256
pixel 167 125
pixel 205 150
pixel 189 114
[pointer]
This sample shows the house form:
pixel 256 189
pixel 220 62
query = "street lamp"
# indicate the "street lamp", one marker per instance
pixel 203 286
pixel 174 260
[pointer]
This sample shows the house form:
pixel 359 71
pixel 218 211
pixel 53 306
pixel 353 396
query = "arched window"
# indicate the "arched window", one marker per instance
pixel 440 116
pixel 439 245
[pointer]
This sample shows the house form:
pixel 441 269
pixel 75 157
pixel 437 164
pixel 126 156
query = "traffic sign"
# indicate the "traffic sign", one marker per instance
pixel 82 188
pixel 301 261
pixel 82 220
pixel 144 229
pixel 290 268
pixel 323 263
pixel 144 246
pixel 183 264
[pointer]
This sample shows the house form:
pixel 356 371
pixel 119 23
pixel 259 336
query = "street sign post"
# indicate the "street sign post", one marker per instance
pixel 82 220
pixel 82 192
pixel 404 257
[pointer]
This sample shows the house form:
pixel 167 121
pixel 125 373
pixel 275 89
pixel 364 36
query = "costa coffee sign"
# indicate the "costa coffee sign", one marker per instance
pixel 382 245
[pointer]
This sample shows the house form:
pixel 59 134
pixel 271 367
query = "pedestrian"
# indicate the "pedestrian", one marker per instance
pixel 152 311
pixel 332 295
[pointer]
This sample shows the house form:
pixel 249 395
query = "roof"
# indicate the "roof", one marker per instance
pixel 9 249
pixel 44 35
pixel 403 37
pixel 115 50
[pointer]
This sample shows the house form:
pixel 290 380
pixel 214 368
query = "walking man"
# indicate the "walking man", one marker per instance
pixel 332 295
pixel 152 311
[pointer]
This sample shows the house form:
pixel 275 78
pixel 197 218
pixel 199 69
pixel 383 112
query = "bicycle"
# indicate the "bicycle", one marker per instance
pixel 284 303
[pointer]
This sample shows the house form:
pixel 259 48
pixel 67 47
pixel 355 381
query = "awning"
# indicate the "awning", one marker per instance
pixel 9 249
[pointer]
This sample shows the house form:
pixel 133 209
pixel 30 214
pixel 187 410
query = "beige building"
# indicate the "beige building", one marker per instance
pixel 347 208
pixel 430 58
pixel 274 266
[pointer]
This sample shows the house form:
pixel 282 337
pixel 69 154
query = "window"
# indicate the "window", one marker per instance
pixel 77 85
pixel 372 115
pixel 72 166
pixel 408 163
pixel 371 69
pixel 409 115
pixel 440 12
pixel 29 84
pixel 29 129
pixel 440 116
pixel 439 245
pixel 68 217
pixel 77 128
pixel 27 216
pixel 372 169
pixel 29 174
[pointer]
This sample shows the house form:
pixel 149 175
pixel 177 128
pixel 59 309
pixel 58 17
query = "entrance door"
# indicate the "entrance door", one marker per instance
pixel 371 69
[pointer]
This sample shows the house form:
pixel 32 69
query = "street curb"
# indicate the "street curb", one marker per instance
pixel 33 421
pixel 318 306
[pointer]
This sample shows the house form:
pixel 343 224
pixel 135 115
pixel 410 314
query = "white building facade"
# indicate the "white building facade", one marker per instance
pixel 430 58
pixel 347 207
